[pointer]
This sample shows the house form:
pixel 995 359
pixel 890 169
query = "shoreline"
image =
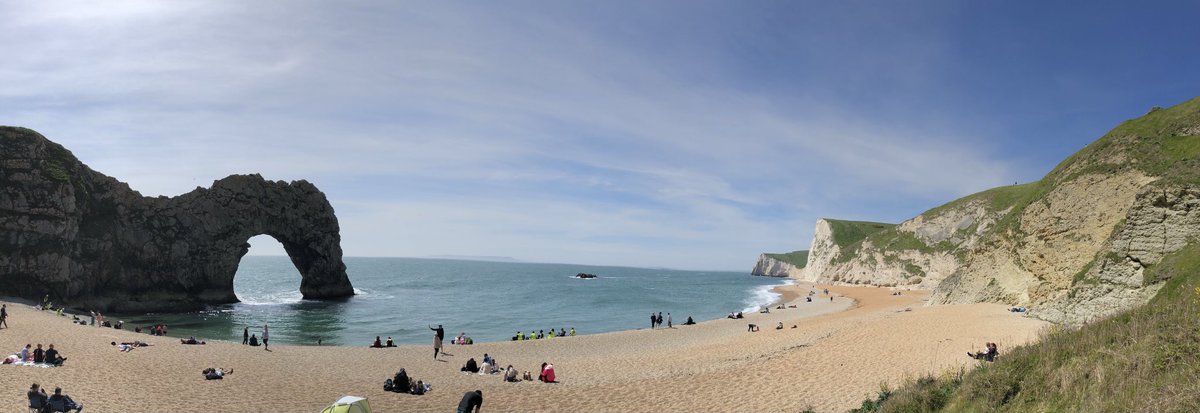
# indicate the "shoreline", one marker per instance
pixel 837 354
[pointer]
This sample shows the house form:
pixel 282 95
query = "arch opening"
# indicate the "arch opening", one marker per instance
pixel 266 274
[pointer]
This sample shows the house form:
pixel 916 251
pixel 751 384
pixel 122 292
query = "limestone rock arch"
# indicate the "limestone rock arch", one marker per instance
pixel 90 241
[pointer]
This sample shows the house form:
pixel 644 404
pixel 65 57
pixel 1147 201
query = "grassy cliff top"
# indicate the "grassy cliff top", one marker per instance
pixel 796 258
pixel 1163 143
pixel 846 233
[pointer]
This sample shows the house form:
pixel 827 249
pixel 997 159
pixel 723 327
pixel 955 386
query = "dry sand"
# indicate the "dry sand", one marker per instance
pixel 840 353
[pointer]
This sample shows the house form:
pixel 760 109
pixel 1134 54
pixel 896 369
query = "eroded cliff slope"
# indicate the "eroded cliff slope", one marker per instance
pixel 790 264
pixel 1074 245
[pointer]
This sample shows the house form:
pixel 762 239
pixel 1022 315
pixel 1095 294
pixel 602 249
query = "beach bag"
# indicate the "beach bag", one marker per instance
pixel 387 385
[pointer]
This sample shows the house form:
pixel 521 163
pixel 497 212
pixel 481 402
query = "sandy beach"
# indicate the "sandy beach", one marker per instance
pixel 839 353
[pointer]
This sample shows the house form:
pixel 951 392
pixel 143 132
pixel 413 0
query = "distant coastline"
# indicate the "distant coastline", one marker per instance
pixel 488 258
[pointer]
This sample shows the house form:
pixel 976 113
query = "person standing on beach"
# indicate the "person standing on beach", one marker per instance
pixel 265 337
pixel 652 320
pixel 246 336
pixel 438 334
pixel 659 320
pixel 3 315
pixel 669 320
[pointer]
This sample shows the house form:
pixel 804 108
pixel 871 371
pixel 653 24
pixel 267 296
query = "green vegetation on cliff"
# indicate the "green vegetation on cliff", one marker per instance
pixel 796 258
pixel 846 233
pixel 1165 143
pixel 1146 359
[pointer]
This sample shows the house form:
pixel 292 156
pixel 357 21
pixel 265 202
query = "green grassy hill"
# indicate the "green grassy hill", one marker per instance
pixel 1146 359
pixel 796 258
pixel 847 233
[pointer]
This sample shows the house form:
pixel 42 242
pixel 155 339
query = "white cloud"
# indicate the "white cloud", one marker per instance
pixel 550 141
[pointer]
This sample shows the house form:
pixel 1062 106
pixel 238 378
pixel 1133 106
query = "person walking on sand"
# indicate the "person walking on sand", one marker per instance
pixel 266 336
pixel 3 315
pixel 438 334
pixel 669 325
pixel 246 336
pixel 659 320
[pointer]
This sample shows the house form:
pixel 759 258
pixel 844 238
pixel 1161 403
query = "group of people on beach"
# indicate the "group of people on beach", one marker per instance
pixel 656 320
pixel 401 383
pixel 41 403
pixel 252 339
pixel 379 344
pixel 562 332
pixel 28 354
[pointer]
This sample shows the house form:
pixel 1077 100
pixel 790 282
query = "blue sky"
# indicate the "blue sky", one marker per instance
pixel 669 134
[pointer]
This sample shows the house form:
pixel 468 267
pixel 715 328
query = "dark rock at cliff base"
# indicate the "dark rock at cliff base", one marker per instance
pixel 90 241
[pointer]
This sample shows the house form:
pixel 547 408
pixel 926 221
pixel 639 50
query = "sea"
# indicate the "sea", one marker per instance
pixel 489 301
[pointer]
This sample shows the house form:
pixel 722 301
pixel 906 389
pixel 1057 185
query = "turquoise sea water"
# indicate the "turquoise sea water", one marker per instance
pixel 489 301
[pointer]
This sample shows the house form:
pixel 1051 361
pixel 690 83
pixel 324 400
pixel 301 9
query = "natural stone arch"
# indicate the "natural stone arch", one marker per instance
pixel 90 240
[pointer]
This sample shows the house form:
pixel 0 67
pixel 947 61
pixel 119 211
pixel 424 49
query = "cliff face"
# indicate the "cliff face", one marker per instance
pixel 1074 245
pixel 772 265
pixel 90 241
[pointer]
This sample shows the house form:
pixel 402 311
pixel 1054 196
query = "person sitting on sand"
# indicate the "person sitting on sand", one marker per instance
pixel 562 332
pixel 390 343
pixel 518 337
pixel 53 358
pixel 60 402
pixel 731 315
pixel 471 367
pixel 24 354
pixel 739 315
pixel 254 340
pixel 417 389
pixel 988 353
pixel 39 355
pixel 215 373
pixel 547 375
pixel 765 310
pixel 572 331
pixel 377 343
pixel 510 374
pixel 486 368
pixel 401 382
pixel 541 334
pixel 752 327
pixel 191 340
pixel 780 326
pixel 527 377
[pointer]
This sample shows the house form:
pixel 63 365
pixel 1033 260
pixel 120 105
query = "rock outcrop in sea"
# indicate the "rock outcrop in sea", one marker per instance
pixel 1079 244
pixel 90 241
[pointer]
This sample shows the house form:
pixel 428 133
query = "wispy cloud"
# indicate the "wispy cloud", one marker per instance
pixel 457 129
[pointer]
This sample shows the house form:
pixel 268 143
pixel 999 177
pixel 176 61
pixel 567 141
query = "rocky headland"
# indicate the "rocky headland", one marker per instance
pixel 789 264
pixel 89 241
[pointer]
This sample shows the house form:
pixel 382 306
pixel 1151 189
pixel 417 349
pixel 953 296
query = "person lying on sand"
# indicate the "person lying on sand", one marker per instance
pixel 124 348
pixel 191 340
pixel 215 373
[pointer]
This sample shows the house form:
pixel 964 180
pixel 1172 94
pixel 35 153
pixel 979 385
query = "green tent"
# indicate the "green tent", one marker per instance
pixel 349 404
